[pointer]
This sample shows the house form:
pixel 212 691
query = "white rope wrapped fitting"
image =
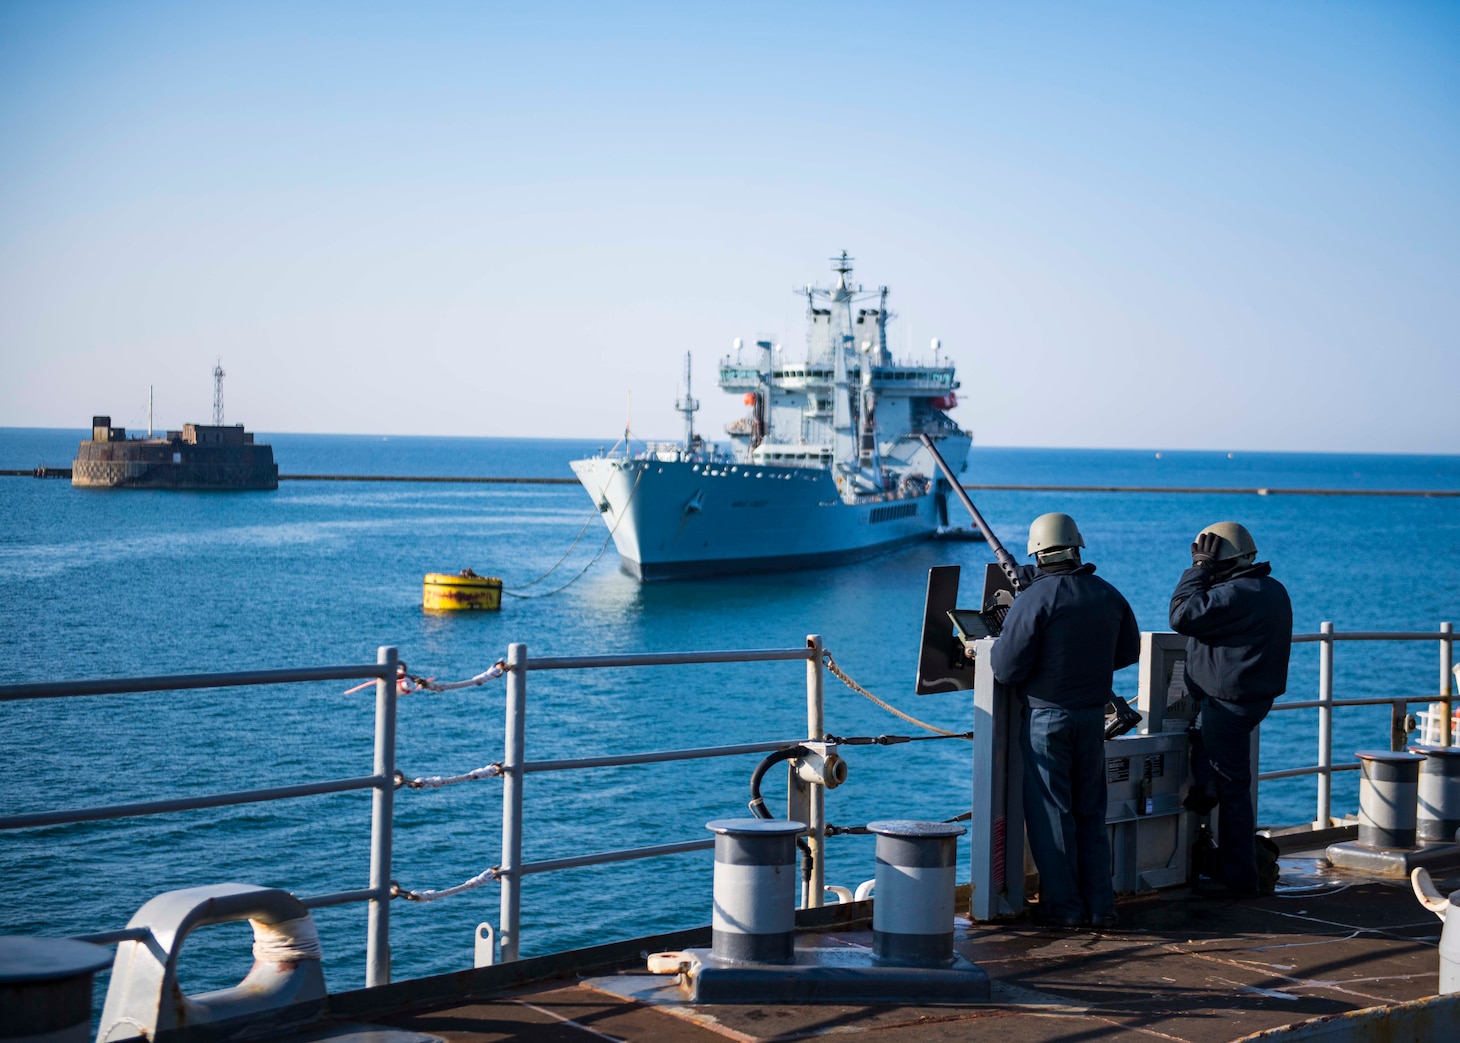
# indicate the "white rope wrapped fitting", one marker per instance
pixel 490 771
pixel 406 684
pixel 287 942
pixel 430 684
pixel 484 877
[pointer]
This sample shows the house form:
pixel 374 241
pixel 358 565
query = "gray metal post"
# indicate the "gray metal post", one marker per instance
pixel 815 729
pixel 996 830
pixel 46 988
pixel 1447 664
pixel 912 918
pixel 514 740
pixel 382 824
pixel 1325 727
pixel 754 909
pixel 1388 799
pixel 1438 815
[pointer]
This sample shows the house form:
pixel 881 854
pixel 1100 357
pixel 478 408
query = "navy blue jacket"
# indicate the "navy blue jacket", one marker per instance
pixel 1064 636
pixel 1239 632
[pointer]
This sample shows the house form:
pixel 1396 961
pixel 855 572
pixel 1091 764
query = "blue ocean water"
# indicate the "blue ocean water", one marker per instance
pixel 112 583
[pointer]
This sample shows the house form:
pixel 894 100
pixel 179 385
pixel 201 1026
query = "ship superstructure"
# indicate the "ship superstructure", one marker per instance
pixel 825 467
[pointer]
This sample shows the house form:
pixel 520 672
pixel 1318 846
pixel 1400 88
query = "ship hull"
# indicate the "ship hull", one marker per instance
pixel 650 572
pixel 680 519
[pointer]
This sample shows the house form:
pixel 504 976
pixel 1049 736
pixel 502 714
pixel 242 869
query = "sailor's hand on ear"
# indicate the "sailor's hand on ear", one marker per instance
pixel 1204 551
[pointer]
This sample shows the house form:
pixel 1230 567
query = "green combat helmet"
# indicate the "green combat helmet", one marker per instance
pixel 1237 550
pixel 1051 533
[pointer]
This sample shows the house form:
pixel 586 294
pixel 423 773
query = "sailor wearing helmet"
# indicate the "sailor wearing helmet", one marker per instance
pixel 1238 621
pixel 1063 638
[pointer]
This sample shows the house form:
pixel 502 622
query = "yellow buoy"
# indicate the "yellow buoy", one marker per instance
pixel 444 592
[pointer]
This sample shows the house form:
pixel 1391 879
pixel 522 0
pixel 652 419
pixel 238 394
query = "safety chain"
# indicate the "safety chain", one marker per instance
pixel 854 686
pixel 430 684
pixel 406 682
pixel 890 740
pixel 486 876
pixel 437 781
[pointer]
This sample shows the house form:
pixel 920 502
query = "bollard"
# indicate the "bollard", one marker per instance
pixel 1438 814
pixel 753 957
pixel 754 917
pixel 912 916
pixel 45 988
pixel 1388 798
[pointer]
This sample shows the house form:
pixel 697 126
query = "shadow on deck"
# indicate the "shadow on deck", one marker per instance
pixel 1179 968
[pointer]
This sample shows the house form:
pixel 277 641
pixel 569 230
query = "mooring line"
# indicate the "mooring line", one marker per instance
pixel 854 686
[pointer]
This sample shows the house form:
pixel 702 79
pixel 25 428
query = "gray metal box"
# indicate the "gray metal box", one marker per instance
pixel 1147 775
pixel 1150 832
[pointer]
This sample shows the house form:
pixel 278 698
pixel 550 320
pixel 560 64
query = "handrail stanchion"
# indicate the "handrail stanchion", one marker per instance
pixel 816 731
pixel 1447 689
pixel 382 823
pixel 1325 727
pixel 514 740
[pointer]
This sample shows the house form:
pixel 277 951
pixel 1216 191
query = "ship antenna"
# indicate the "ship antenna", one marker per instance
pixel 843 264
pixel 688 405
pixel 218 394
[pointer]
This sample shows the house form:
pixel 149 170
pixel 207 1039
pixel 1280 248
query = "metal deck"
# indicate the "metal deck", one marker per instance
pixel 1179 968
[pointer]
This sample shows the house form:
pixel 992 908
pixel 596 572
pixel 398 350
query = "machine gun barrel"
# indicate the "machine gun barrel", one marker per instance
pixel 1005 559
pixel 1120 716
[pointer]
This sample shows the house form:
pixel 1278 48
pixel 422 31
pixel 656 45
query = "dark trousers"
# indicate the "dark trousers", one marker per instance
pixel 1064 809
pixel 1226 732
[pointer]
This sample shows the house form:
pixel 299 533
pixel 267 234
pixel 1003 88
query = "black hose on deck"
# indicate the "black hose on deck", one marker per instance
pixel 759 810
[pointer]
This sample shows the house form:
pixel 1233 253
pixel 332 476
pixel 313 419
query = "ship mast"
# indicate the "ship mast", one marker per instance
pixel 869 457
pixel 687 406
pixel 218 394
pixel 845 448
pixel 883 358
pixel 854 425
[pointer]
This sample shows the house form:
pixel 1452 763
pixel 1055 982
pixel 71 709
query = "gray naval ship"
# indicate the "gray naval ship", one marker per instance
pixel 826 466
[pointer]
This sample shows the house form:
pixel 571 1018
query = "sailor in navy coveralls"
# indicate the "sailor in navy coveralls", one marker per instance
pixel 1238 621
pixel 1066 634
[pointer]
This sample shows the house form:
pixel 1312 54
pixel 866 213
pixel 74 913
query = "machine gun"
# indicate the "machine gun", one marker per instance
pixel 945 662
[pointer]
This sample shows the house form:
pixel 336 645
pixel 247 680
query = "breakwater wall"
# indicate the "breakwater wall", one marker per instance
pixel 65 472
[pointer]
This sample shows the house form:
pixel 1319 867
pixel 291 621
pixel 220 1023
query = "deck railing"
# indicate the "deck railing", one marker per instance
pixel 1327 637
pixel 383 779
pixel 515 767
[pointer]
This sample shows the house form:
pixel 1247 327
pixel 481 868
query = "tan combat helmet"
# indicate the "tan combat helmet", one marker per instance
pixel 1237 548
pixel 1050 532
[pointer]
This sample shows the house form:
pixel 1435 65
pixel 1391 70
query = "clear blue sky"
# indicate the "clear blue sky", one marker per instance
pixel 1222 226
